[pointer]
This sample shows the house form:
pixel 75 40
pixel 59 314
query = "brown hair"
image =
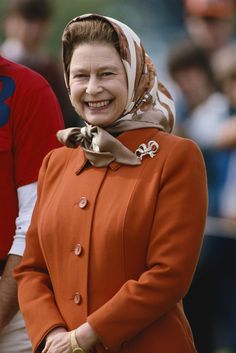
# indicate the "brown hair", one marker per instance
pixel 30 10
pixel 86 31
pixel 185 56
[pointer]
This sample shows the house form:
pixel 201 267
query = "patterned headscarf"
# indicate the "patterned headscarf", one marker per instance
pixel 149 104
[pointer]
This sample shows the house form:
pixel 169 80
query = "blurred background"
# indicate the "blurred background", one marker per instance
pixel 193 44
pixel 158 23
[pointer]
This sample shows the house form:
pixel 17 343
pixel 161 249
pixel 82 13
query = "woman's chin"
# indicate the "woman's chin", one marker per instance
pixel 101 121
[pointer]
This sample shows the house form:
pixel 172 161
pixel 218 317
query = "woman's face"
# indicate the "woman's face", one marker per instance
pixel 98 83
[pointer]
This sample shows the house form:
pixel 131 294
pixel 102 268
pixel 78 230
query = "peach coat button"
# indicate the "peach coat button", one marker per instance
pixel 77 298
pixel 83 202
pixel 78 249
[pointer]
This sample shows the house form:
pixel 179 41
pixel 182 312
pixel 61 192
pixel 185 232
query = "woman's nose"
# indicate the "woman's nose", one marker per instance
pixel 93 86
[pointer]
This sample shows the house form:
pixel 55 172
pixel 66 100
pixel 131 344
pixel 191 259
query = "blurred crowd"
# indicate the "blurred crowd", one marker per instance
pixel 203 69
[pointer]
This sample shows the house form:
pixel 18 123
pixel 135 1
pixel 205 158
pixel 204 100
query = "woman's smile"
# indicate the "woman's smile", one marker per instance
pixel 98 83
pixel 99 105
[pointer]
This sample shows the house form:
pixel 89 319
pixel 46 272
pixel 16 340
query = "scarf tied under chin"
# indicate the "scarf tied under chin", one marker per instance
pixel 100 147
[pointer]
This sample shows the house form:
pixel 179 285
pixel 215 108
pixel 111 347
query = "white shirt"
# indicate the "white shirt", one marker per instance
pixel 27 195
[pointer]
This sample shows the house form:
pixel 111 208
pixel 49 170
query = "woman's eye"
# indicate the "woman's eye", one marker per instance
pixel 108 73
pixel 80 76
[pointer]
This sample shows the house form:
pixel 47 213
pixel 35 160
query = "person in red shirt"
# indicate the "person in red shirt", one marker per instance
pixel 30 116
pixel 26 28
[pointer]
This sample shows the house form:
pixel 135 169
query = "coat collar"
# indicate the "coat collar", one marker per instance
pixel 132 139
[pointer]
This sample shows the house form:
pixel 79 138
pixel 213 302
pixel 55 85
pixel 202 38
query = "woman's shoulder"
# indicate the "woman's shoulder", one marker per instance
pixel 58 158
pixel 176 149
pixel 168 145
pixel 58 155
pixel 170 141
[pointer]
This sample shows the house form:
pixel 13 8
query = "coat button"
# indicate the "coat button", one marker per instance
pixel 77 298
pixel 78 250
pixel 83 202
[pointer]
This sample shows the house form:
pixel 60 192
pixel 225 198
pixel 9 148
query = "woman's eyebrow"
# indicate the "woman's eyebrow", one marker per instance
pixel 99 68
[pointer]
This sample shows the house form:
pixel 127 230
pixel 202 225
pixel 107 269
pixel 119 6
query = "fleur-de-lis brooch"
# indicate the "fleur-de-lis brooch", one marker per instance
pixel 150 149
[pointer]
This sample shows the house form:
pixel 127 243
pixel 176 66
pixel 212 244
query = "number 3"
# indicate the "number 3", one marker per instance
pixel 8 88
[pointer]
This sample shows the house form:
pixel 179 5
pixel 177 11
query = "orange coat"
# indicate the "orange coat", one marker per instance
pixel 116 246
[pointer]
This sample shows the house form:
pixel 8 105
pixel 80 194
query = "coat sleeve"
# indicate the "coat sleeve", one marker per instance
pixel 172 254
pixel 35 293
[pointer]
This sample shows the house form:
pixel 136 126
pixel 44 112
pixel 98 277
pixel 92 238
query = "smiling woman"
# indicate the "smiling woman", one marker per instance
pixel 115 235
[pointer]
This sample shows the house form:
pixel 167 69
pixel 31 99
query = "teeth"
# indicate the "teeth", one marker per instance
pixel 98 104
